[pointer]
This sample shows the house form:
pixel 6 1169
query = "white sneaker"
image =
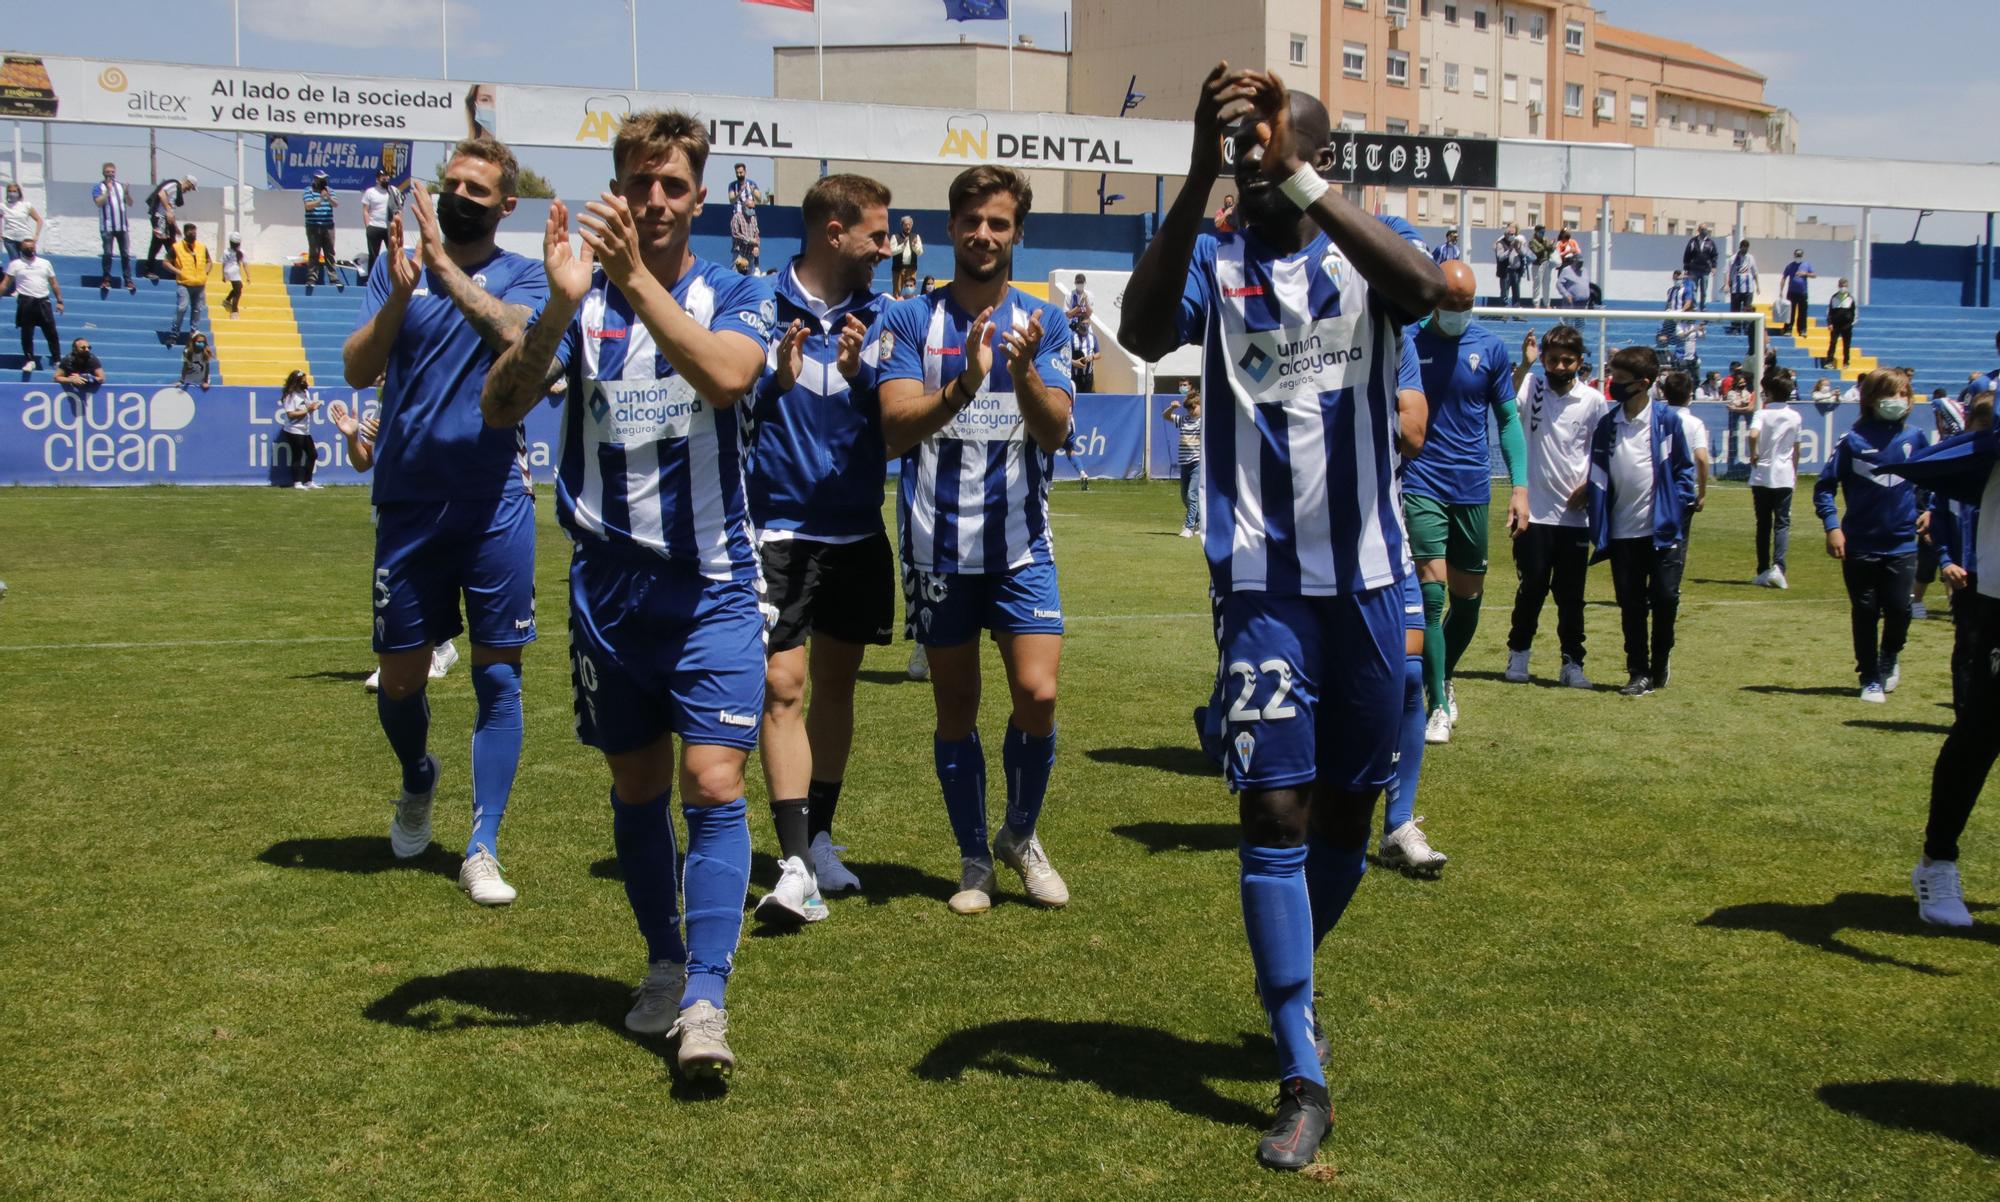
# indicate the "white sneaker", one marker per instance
pixel 1940 898
pixel 832 875
pixel 1517 667
pixel 299 488
pixel 1572 676
pixel 656 1003
pixel 374 682
pixel 480 877
pixel 315 485
pixel 1187 532
pixel 444 657
pixel 920 665
pixel 1873 692
pixel 1451 701
pixel 410 826
pixel 1893 677
pixel 1438 728
pixel 1043 884
pixel 1778 578
pixel 795 900
pixel 1763 579
pixel 704 1037
pixel 975 886
pixel 1406 847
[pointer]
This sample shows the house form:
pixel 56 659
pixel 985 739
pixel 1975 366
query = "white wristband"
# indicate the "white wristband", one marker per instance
pixel 1304 187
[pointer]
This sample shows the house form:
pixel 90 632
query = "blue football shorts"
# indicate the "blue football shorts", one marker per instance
pixel 428 553
pixel 943 609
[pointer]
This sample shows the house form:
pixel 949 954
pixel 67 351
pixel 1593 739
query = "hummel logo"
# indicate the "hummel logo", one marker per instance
pixel 1049 613
pixel 729 719
pixel 1257 363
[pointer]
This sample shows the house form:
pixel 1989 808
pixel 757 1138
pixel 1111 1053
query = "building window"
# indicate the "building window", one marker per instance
pixel 1506 212
pixel 1671 114
pixel 1451 77
pixel 1635 223
pixel 1479 210
pixel 1399 68
pixel 1396 125
pixel 1451 14
pixel 1573 37
pixel 1511 24
pixel 1481 81
pixel 1573 99
pixel 1298 50
pixel 1708 120
pixel 1423 206
pixel 1424 72
pixel 1510 88
pixel 1357 4
pixel 1673 225
pixel 1534 216
pixel 1638 104
pixel 1572 217
pixel 1354 60
pixel 1535 92
pixel 1354 122
pixel 1479 18
pixel 1607 104
pixel 1451 206
pixel 1538 27
pixel 1396 7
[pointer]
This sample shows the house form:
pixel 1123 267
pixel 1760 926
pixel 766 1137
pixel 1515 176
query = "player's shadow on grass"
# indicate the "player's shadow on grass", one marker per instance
pixel 1157 837
pixel 358 854
pixel 1539 682
pixel 1141 1063
pixel 1820 926
pixel 1186 761
pixel 885 676
pixel 1811 690
pixel 1962 1111
pixel 1725 583
pixel 342 677
pixel 506 997
pixel 1901 728
pixel 881 882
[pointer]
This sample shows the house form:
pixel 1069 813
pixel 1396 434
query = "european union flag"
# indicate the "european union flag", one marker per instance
pixel 975 10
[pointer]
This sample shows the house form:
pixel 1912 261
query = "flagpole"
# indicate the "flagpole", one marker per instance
pixel 632 7
pixel 1010 55
pixel 819 45
pixel 444 43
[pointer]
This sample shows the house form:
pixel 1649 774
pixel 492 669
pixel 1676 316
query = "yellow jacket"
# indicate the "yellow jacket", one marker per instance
pixel 190 263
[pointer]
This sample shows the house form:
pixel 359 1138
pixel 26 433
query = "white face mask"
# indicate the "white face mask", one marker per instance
pixel 1452 322
pixel 1892 409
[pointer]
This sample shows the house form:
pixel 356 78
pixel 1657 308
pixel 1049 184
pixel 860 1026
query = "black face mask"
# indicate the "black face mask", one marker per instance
pixel 1625 391
pixel 1561 381
pixel 464 221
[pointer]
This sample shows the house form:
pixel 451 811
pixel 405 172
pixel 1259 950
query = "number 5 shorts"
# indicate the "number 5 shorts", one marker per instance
pixel 1313 688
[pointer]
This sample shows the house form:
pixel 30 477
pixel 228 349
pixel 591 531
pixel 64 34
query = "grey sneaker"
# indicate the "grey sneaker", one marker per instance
pixel 975 886
pixel 704 1038
pixel 1517 667
pixel 410 827
pixel 657 1001
pixel 1572 675
pixel 1044 885
pixel 1940 898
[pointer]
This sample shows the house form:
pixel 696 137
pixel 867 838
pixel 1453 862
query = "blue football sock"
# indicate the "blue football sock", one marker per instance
pixel 1277 914
pixel 643 833
pixel 496 750
pixel 408 725
pixel 1400 795
pixel 1027 760
pixel 1332 875
pixel 961 771
pixel 718 881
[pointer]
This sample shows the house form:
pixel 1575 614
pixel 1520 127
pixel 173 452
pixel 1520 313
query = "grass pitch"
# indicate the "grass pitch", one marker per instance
pixel 1673 956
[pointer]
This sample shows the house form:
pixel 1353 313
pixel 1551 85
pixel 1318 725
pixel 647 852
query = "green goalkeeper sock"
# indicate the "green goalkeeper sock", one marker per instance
pixel 1434 644
pixel 1459 626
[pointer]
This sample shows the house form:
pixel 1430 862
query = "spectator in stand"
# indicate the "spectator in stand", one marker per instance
pixel 1742 283
pixel 1510 262
pixel 381 201
pixel 930 282
pixel 1797 273
pixel 1225 215
pixel 1186 416
pixel 1742 405
pixel 743 191
pixel 32 280
pixel 196 362
pixel 1448 250
pixel 1677 292
pixel 1698 260
pixel 906 249
pixel 745 241
pixel 1840 309
pixel 18 222
pixel 1567 247
pixel 1084 355
pixel 188 259
pixel 80 370
pixel 1572 284
pixel 1079 305
pixel 1543 251
pixel 1774 473
pixel 1823 393
pixel 1710 388
pixel 320 203
pixel 295 410
pixel 114 204
pixel 1876 542
pixel 232 273
pixel 162 203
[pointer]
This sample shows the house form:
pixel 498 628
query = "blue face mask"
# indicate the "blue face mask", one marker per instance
pixel 484 115
pixel 1451 322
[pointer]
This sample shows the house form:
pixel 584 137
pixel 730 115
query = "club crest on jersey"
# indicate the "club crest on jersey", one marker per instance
pixel 887 343
pixel 1246 743
pixel 1472 361
pixel 1335 265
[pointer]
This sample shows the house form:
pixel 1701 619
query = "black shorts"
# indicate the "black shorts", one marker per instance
pixel 845 591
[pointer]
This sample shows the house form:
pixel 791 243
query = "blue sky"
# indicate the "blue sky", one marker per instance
pixel 1859 84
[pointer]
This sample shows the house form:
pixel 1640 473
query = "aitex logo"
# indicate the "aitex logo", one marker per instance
pixel 111 79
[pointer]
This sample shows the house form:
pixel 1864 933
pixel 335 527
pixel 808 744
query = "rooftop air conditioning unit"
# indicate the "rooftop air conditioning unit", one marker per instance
pixel 1399 20
pixel 1534 108
pixel 1604 108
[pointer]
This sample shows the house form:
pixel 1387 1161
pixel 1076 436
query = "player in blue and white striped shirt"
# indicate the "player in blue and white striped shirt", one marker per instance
pixel 976 398
pixel 666 637
pixel 1300 318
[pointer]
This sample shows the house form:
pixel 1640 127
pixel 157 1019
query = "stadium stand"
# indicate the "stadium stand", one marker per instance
pixel 324 317
pixel 262 344
pixel 127 330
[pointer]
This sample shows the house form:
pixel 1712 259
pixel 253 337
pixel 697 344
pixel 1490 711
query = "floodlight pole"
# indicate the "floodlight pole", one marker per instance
pixel 236 39
pixel 1866 284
